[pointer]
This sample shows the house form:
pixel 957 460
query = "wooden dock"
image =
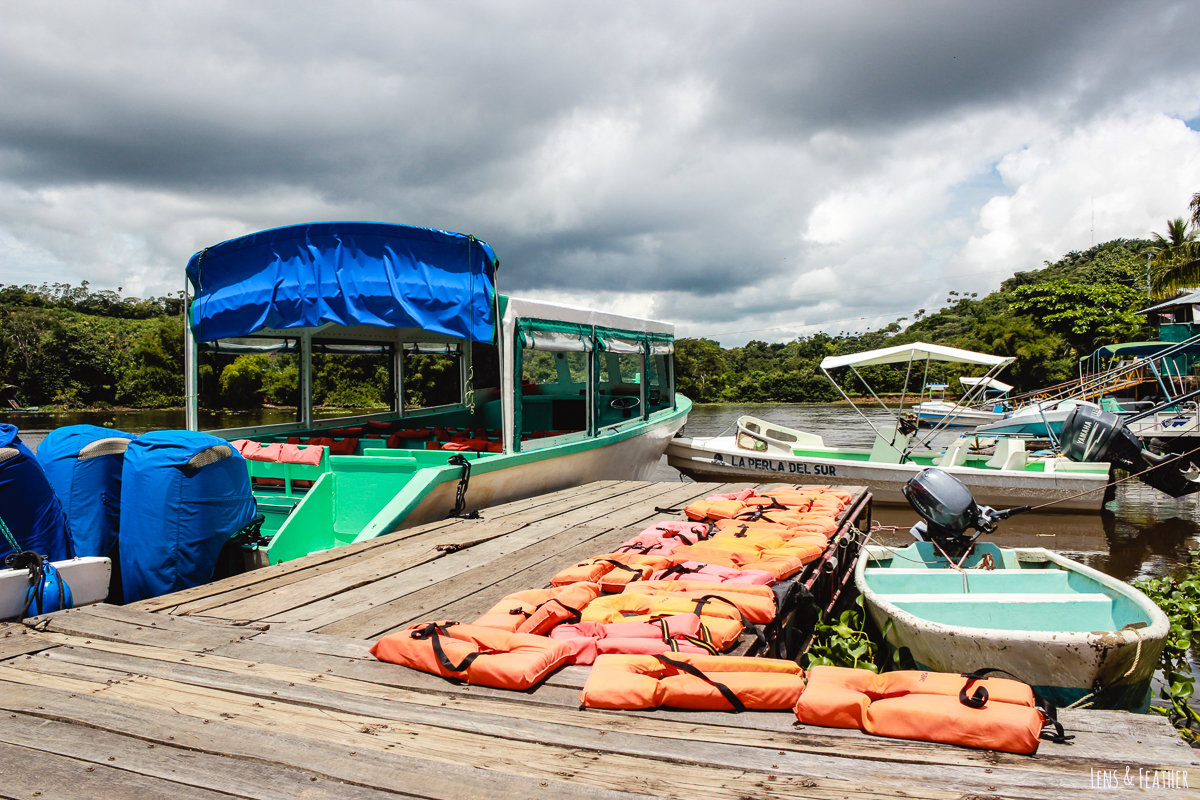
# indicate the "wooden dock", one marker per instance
pixel 261 686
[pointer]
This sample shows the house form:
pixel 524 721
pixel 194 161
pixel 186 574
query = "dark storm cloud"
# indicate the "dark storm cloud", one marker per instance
pixel 675 149
pixel 867 63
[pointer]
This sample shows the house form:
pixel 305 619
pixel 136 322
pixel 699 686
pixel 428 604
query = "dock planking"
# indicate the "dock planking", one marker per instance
pixel 262 686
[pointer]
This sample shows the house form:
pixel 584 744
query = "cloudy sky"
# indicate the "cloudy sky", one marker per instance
pixel 752 170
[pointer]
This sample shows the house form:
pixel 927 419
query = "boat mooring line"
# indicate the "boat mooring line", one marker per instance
pixel 1137 656
pixel 1119 481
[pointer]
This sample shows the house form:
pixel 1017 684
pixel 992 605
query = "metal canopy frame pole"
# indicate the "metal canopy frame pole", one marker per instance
pixel 838 386
pixel 907 375
pixel 306 382
pixel 871 389
pixel 398 380
pixel 191 367
pixel 945 422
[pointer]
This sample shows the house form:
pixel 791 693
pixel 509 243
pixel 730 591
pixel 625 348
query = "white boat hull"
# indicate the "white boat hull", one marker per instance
pixel 1064 664
pixel 720 460
pixel 949 415
pixel 634 458
pixel 87 577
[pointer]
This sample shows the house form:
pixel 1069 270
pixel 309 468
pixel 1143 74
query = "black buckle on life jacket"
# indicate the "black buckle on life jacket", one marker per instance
pixel 1047 709
pixel 978 699
pixel 760 641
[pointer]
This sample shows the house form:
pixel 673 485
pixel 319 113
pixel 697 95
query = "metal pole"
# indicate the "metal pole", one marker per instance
pixel 191 367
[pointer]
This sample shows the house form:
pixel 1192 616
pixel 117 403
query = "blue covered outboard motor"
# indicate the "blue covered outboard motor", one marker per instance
pixel 28 505
pixel 83 464
pixel 183 495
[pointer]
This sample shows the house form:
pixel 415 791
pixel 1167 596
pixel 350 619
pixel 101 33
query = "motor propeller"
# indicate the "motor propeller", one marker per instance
pixel 1091 434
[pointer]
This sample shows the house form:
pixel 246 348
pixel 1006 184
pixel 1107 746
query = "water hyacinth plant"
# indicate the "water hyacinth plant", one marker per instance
pixel 1179 598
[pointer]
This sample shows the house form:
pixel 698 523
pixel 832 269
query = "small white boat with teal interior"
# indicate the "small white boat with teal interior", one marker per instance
pixel 982 403
pixel 999 470
pixel 1069 630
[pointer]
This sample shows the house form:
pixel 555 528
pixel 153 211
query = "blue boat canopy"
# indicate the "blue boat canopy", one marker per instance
pixel 345 273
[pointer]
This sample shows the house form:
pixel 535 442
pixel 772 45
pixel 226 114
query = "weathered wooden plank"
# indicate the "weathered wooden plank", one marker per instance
pixel 169 622
pixel 134 757
pixel 387 766
pixel 348 553
pixel 600 757
pixel 296 589
pixel 16 640
pixel 81 622
pixel 435 601
pixel 768 730
pixel 328 611
pixel 33 773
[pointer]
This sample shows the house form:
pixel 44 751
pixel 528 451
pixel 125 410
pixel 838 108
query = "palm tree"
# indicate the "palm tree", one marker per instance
pixel 1176 263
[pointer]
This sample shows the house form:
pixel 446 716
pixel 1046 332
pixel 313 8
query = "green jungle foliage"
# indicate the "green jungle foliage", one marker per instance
pixel 1047 319
pixel 74 348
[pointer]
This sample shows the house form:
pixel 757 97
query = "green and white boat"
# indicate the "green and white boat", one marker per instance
pixel 954 605
pixel 998 469
pixel 531 397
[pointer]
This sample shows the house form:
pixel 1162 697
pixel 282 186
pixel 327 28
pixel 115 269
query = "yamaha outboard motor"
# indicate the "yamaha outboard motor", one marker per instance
pixel 949 511
pixel 1090 434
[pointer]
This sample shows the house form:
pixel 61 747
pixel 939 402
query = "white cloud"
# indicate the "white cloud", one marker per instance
pixel 746 173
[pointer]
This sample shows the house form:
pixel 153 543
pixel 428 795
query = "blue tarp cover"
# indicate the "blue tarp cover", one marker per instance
pixel 176 518
pixel 89 489
pixel 27 503
pixel 346 273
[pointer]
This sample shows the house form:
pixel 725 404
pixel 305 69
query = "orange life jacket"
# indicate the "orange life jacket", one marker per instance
pixel 612 570
pixel 712 573
pixel 679 633
pixel 740 556
pixel 699 682
pixel 477 655
pixel 990 713
pixel 538 610
pixel 713 509
pixel 756 603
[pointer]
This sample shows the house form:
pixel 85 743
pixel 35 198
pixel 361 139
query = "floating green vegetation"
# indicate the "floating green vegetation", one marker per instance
pixel 842 642
pixel 1179 598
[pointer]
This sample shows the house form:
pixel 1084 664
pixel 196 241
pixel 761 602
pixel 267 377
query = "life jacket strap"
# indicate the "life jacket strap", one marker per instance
pixel 1048 710
pixel 978 699
pixel 760 641
pixel 726 692
pixel 434 632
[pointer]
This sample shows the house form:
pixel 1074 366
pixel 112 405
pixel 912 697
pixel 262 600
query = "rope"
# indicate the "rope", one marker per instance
pixel 12 540
pixel 1117 482
pixel 1137 656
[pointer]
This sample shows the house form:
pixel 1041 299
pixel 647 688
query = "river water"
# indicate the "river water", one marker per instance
pixel 1140 533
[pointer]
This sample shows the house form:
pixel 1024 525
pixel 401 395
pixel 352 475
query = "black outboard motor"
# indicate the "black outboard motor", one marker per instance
pixel 1090 434
pixel 950 511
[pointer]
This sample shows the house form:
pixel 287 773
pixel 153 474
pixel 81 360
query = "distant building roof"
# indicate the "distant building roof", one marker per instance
pixel 1188 299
